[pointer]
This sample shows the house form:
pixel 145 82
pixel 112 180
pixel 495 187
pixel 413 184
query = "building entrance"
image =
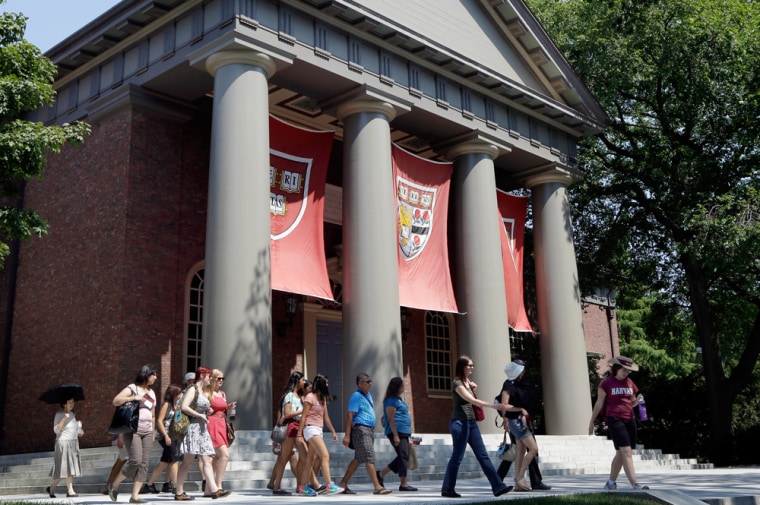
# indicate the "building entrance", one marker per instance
pixel 329 363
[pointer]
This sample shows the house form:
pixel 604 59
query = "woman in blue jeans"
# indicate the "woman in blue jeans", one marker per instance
pixel 464 430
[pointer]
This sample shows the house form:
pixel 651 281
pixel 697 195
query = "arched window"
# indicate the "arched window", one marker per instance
pixel 194 318
pixel 439 347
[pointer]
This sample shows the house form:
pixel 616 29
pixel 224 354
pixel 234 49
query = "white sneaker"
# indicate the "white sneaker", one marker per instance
pixel 610 485
pixel 639 486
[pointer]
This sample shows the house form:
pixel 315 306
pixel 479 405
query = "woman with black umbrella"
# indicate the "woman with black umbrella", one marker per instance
pixel 66 463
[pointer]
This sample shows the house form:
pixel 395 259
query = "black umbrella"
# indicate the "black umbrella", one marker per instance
pixel 58 395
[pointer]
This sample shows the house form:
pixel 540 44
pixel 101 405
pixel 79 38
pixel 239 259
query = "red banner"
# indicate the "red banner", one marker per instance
pixel 512 210
pixel 422 193
pixel 297 174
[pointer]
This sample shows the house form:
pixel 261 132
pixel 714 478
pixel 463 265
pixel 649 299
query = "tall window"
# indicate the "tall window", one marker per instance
pixel 438 352
pixel 194 323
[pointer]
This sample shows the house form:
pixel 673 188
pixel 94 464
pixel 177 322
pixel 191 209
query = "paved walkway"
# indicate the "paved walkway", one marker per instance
pixel 734 486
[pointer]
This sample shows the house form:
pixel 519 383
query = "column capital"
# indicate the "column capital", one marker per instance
pixel 473 142
pixel 366 104
pixel 550 173
pixel 365 99
pixel 241 57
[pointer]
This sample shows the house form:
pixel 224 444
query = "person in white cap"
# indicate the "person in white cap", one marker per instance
pixel 520 393
pixel 619 394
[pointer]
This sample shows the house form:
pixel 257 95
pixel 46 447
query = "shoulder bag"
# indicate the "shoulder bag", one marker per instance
pixel 280 429
pixel 230 432
pixel 181 421
pixel 480 414
pixel 125 418
pixel 506 450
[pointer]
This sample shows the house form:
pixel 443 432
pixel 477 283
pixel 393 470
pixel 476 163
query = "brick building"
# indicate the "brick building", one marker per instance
pixel 159 223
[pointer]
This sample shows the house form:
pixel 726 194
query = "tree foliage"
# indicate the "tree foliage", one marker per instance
pixel 26 79
pixel 670 206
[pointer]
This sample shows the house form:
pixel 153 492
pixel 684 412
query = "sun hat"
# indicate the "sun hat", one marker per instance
pixel 513 369
pixel 626 363
pixel 189 376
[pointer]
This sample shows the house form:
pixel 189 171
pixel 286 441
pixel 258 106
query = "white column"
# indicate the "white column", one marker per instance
pixel 371 317
pixel 483 329
pixel 237 322
pixel 564 365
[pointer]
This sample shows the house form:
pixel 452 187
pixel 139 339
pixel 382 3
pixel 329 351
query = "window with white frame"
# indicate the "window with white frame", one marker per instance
pixel 438 352
pixel 194 323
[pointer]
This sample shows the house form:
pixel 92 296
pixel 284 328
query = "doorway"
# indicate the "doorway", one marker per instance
pixel 329 364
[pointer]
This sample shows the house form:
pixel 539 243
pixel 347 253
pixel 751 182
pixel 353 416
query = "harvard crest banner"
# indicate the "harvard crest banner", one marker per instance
pixel 297 174
pixel 512 210
pixel 422 194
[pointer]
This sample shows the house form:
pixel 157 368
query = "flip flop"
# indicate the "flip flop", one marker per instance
pixel 382 491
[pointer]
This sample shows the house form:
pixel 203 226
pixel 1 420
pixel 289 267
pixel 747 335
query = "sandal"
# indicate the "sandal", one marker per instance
pixel 522 487
pixel 382 491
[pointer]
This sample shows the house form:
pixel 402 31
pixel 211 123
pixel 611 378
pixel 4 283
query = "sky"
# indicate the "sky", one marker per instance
pixel 51 21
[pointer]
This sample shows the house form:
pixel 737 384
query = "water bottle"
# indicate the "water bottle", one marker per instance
pixel 642 409
pixel 232 414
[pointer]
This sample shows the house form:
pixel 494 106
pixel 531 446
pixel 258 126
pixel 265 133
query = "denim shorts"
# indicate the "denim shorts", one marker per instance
pixel 519 429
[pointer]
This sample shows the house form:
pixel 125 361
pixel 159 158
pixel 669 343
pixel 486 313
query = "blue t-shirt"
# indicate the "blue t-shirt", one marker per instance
pixel 363 408
pixel 401 417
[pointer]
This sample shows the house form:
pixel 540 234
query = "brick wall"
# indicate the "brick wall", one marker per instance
pixel 103 293
pixel 596 327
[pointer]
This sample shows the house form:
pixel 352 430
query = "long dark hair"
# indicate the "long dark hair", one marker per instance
pixel 292 384
pixel 462 362
pixel 145 372
pixel 394 386
pixel 302 391
pixel 171 394
pixel 319 388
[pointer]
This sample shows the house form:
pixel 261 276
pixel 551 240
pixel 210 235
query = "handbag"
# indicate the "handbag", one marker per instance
pixel 506 450
pixel 178 425
pixel 480 414
pixel 125 418
pixel 230 432
pixel 413 463
pixel 278 433
pixel 181 421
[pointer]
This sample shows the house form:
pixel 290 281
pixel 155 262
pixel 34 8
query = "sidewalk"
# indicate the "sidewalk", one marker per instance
pixel 734 486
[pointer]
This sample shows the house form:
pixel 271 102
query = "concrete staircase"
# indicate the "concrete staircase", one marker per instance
pixel 252 461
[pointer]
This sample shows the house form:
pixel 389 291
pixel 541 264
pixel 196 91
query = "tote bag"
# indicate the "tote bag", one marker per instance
pixel 125 418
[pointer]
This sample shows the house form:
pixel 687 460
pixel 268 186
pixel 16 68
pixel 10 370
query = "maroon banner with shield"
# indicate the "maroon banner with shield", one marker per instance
pixel 297 174
pixel 422 203
pixel 512 210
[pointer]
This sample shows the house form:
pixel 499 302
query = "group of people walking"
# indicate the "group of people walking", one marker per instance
pixel 206 406
pixel 303 409
pixel 303 406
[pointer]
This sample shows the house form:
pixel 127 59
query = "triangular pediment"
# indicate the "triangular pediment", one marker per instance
pixel 499 39
pixel 462 27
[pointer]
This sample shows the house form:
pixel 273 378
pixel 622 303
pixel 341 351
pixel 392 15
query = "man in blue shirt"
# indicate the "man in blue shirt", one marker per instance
pixel 361 435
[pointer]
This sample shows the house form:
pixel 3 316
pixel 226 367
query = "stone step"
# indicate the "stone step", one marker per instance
pixel 252 461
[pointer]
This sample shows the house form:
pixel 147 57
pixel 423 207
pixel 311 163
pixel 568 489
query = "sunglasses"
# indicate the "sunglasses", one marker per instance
pixel 220 378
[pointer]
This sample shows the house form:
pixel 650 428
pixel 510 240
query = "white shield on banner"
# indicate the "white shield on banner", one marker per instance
pixel 415 216
pixel 288 196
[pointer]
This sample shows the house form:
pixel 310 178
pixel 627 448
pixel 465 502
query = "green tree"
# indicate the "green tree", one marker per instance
pixel 26 79
pixel 671 199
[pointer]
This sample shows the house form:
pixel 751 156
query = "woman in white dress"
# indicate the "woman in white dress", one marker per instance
pixel 66 463
pixel 197 442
